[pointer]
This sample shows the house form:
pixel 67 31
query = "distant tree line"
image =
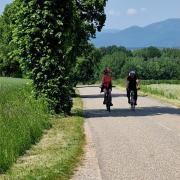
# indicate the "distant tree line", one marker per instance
pixel 149 63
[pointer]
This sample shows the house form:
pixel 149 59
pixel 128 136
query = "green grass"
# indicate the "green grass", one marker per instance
pixel 22 120
pixel 58 152
pixel 169 91
pixel 148 82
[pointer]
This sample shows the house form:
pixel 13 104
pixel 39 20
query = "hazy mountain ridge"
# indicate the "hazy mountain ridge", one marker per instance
pixel 161 34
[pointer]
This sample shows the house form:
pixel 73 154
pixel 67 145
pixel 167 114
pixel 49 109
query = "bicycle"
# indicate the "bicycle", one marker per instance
pixel 132 100
pixel 108 100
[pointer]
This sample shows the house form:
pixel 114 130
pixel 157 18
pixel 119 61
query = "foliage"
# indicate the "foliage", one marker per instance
pixel 135 64
pixel 22 120
pixel 113 57
pixel 156 64
pixel 148 53
pixel 49 36
pixel 112 49
pixel 115 61
pixel 9 65
pixel 87 65
pixel 171 53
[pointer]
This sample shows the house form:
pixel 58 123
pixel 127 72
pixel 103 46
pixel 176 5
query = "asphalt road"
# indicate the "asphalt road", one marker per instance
pixel 127 145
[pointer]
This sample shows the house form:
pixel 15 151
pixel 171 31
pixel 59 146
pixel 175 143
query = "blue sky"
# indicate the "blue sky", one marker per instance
pixel 125 13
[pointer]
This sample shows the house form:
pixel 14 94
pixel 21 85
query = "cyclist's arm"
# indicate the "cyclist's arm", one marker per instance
pixel 102 81
pixel 138 83
pixel 127 84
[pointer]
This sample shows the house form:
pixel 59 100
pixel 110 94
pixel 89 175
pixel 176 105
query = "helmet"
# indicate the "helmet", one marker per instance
pixel 107 70
pixel 132 73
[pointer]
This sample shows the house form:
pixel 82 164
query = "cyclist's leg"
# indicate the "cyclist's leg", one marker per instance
pixel 110 96
pixel 105 91
pixel 135 96
pixel 128 95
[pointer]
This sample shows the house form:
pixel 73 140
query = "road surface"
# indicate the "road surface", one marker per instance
pixel 127 145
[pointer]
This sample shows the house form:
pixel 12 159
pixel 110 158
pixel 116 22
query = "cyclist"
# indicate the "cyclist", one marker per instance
pixel 106 84
pixel 132 84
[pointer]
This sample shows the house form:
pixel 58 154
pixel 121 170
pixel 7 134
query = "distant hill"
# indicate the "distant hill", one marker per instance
pixel 161 34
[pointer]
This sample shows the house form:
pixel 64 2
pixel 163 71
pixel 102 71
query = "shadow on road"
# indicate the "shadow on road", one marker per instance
pixel 85 86
pixel 95 96
pixel 142 111
pixel 101 96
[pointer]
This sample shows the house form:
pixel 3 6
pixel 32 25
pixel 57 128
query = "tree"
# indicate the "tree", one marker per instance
pixel 171 53
pixel 112 49
pixel 135 64
pixel 9 65
pixel 50 34
pixel 87 65
pixel 115 61
pixel 148 53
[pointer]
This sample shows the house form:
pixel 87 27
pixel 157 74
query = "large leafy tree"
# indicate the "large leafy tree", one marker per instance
pixel 50 34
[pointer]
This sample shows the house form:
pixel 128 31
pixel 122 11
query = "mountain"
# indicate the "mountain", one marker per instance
pixel 161 34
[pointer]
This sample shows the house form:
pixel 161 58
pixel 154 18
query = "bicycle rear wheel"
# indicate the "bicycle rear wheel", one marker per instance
pixel 132 100
pixel 108 102
pixel 133 106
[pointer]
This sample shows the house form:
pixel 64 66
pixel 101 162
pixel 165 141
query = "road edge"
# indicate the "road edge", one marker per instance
pixel 89 169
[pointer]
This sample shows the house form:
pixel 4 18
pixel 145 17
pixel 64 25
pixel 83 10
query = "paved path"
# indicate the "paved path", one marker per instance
pixel 127 145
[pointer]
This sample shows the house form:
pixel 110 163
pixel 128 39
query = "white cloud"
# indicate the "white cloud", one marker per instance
pixel 112 12
pixel 131 12
pixel 143 9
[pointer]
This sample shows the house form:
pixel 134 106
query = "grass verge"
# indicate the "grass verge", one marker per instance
pixel 58 152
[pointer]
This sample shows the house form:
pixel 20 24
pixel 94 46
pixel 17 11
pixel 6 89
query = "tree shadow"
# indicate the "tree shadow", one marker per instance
pixel 95 96
pixel 140 111
pixel 85 86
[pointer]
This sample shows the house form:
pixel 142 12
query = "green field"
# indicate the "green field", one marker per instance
pixel 22 119
pixel 170 91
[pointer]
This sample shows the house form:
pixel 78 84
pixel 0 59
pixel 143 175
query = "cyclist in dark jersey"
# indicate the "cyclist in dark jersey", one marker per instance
pixel 132 84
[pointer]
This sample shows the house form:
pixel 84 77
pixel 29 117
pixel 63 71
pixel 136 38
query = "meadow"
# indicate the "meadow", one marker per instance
pixel 170 91
pixel 22 119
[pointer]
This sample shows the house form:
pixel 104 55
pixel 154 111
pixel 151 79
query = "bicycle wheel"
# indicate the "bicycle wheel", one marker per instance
pixel 132 100
pixel 132 106
pixel 108 102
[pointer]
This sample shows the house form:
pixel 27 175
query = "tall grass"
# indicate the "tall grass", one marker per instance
pixel 22 119
pixel 170 91
pixel 148 82
pixel 58 152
